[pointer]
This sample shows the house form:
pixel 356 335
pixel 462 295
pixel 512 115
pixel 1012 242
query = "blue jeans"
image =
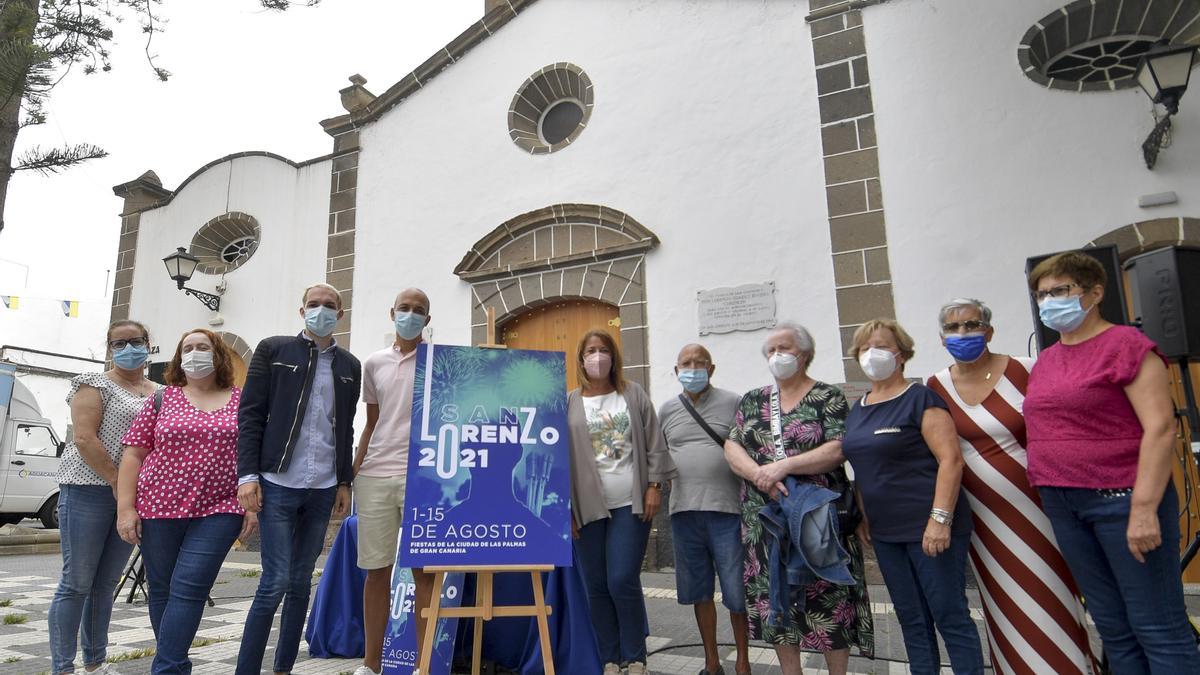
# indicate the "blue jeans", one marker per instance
pixel 93 559
pixel 1138 607
pixel 183 557
pixel 928 594
pixel 292 530
pixel 610 553
pixel 708 543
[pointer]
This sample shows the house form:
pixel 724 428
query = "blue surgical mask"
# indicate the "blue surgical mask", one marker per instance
pixel 966 348
pixel 1062 314
pixel 131 358
pixel 694 380
pixel 409 324
pixel 320 321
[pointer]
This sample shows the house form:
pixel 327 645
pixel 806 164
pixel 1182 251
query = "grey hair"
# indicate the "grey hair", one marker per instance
pixel 958 304
pixel 804 339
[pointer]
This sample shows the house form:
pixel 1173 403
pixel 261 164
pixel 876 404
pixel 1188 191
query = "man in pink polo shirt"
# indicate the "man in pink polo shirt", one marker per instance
pixel 381 467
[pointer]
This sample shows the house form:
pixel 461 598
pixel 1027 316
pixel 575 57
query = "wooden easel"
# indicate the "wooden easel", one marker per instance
pixel 484 608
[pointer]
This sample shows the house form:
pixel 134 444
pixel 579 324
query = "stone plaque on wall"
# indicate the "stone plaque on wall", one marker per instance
pixel 746 307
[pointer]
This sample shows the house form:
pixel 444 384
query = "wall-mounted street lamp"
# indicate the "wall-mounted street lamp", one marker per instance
pixel 181 266
pixel 1163 74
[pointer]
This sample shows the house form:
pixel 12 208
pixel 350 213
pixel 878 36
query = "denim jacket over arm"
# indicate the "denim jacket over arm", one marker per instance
pixel 803 545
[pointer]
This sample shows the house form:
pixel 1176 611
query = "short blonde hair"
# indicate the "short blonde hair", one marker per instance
pixel 336 292
pixel 903 340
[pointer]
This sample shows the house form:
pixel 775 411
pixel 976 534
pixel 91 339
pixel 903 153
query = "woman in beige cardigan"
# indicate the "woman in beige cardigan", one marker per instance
pixel 619 462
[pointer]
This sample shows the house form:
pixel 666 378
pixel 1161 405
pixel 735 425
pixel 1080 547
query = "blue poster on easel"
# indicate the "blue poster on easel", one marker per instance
pixel 488 472
pixel 400 641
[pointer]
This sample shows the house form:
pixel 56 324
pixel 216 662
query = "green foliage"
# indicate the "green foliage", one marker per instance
pixel 132 655
pixel 7 602
pixel 13 619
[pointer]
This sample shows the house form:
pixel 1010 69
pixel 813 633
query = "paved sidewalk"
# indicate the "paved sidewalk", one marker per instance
pixel 27 584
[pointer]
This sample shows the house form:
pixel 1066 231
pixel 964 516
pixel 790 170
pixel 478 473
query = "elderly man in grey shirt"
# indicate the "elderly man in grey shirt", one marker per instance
pixel 705 504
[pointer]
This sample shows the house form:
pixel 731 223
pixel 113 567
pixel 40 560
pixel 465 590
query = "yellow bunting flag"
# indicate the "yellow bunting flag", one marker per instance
pixel 11 301
pixel 70 307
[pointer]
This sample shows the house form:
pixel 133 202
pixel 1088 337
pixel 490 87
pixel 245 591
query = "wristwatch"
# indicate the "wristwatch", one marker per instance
pixel 941 516
pixel 656 485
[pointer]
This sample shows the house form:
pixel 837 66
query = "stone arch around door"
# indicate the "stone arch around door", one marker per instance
pixel 243 351
pixel 1148 235
pixel 560 252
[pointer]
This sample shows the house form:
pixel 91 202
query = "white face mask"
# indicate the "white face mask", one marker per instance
pixel 783 365
pixel 197 364
pixel 878 364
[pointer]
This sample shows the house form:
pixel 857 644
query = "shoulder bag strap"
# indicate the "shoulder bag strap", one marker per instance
pixel 777 425
pixel 158 397
pixel 687 405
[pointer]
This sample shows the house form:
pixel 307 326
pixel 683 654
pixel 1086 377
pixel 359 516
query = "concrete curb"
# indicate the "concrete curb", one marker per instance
pixel 24 541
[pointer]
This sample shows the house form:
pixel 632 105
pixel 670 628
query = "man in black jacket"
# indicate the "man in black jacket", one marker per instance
pixel 295 465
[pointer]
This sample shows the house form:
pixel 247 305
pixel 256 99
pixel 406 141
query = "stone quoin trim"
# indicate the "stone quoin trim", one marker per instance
pixel 564 252
pixel 339 256
pixel 139 194
pixel 854 199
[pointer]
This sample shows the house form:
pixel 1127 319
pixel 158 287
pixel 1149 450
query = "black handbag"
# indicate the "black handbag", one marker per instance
pixel 849 515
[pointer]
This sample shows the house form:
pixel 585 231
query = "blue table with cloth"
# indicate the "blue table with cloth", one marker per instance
pixel 335 623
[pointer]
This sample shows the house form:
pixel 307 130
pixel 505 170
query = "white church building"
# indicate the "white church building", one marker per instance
pixel 623 163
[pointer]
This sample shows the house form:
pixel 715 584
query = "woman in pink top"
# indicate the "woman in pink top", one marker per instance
pixel 1101 437
pixel 177 491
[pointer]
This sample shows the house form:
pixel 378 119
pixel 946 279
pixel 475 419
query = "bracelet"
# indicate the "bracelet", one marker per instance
pixel 657 486
pixel 941 512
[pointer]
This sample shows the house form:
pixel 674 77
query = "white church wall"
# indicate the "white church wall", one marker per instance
pixel 981 167
pixel 704 130
pixel 263 294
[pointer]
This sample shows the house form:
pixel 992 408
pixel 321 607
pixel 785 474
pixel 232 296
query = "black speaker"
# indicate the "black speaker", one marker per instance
pixel 1112 307
pixel 1165 286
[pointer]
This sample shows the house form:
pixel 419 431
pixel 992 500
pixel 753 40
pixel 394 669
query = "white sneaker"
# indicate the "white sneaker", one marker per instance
pixel 363 670
pixel 104 669
pixel 612 669
pixel 636 668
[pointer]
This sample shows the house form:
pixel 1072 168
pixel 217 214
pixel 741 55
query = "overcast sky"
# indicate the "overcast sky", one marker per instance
pixel 243 79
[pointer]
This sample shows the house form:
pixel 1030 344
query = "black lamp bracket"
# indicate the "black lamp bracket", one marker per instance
pixel 210 301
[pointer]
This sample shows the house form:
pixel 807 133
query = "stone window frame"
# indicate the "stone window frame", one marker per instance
pixel 563 82
pixel 612 274
pixel 1087 22
pixel 238 345
pixel 210 241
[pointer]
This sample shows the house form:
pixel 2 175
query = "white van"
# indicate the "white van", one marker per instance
pixel 29 455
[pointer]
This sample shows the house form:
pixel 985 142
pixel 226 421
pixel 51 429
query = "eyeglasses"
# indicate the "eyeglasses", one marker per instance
pixel 972 325
pixel 1056 292
pixel 118 345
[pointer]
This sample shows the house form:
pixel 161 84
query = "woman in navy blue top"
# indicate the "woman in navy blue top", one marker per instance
pixel 903 446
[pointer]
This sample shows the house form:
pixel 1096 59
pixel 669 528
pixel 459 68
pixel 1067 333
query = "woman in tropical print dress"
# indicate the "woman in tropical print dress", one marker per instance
pixel 812 414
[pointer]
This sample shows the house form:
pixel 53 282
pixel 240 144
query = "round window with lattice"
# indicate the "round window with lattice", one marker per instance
pixel 550 109
pixel 1095 45
pixel 226 242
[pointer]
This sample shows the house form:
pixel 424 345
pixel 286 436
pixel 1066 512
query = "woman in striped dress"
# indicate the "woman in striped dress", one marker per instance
pixel 1035 621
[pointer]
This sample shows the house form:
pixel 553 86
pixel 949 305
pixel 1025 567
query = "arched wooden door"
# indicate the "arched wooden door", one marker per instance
pixel 558 327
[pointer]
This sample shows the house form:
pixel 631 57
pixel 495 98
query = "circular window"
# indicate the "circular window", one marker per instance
pixel 550 109
pixel 242 248
pixel 225 243
pixel 1095 45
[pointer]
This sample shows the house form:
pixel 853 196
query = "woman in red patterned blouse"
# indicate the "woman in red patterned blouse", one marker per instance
pixel 177 490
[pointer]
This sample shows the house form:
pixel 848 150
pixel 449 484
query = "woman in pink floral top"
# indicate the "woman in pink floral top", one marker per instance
pixel 177 491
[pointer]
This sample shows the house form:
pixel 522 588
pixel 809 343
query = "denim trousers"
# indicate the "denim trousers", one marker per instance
pixel 1138 607
pixel 292 528
pixel 93 559
pixel 929 596
pixel 183 557
pixel 609 552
